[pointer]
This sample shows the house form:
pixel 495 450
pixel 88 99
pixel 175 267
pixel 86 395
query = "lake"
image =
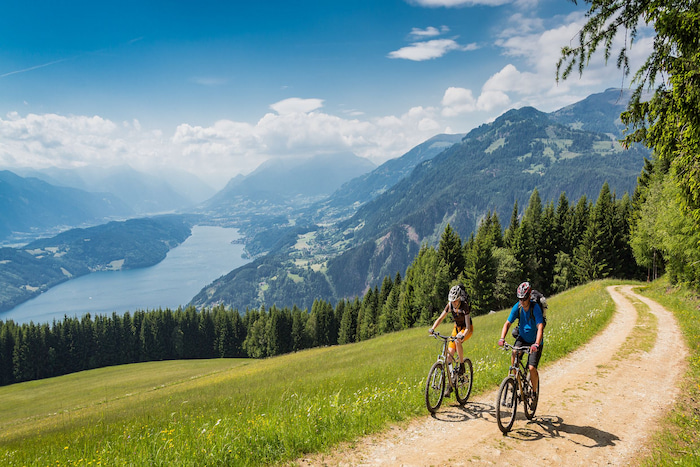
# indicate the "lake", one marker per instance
pixel 203 257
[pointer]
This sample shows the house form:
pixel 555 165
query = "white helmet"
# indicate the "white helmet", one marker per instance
pixel 455 293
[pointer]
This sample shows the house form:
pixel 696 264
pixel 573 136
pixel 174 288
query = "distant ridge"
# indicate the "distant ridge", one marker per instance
pixel 291 183
pixel 490 169
pixel 30 205
pixel 346 199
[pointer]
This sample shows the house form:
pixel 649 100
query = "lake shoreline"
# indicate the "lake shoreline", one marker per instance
pixel 203 257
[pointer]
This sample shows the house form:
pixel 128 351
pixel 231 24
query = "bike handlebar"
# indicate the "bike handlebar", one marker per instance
pixel 449 338
pixel 507 346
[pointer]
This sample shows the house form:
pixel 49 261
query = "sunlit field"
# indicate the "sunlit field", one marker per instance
pixel 253 412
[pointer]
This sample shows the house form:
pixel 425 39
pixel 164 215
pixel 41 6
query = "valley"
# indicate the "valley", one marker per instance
pixel 337 241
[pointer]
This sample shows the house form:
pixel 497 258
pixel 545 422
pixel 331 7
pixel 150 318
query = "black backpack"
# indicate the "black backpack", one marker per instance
pixel 538 298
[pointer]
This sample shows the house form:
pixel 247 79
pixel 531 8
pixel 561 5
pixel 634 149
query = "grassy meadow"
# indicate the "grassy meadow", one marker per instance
pixel 258 412
pixel 678 441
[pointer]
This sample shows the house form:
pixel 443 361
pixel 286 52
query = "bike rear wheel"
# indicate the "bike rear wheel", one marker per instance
pixel 464 383
pixel 507 404
pixel 435 387
pixel 530 404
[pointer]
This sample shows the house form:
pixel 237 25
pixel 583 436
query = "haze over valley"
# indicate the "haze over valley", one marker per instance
pixel 314 218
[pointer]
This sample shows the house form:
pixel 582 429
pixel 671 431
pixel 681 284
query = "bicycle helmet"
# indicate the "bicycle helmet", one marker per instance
pixel 524 290
pixel 455 293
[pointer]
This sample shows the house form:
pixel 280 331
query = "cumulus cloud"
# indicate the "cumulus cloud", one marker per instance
pixel 532 47
pixel 427 50
pixel 458 101
pixel 296 127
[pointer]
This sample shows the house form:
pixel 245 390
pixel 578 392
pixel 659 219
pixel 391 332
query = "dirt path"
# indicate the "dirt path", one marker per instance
pixel 595 409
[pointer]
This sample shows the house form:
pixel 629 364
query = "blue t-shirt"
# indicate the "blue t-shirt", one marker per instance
pixel 528 326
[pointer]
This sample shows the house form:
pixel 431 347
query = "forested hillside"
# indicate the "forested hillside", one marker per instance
pixel 555 246
pixel 493 167
pixel 351 195
pixel 34 268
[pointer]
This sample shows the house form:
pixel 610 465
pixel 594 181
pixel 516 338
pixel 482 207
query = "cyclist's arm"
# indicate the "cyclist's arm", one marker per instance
pixel 511 318
pixel 441 317
pixel 540 331
pixel 539 320
pixel 506 326
pixel 439 320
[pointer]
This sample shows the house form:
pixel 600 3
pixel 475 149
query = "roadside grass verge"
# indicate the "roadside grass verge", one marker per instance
pixel 643 335
pixel 678 441
pixel 259 412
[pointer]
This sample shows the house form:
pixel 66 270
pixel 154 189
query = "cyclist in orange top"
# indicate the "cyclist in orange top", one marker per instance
pixel 458 305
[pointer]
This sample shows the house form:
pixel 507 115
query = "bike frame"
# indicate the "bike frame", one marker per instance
pixel 445 358
pixel 517 382
pixel 521 370
pixel 444 374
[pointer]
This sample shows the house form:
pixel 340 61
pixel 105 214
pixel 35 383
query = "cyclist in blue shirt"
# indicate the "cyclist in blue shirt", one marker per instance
pixel 530 327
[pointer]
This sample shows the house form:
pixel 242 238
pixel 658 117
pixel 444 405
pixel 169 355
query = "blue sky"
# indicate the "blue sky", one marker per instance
pixel 216 88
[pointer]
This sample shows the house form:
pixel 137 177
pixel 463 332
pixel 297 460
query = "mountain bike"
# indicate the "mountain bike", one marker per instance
pixel 516 387
pixel 445 374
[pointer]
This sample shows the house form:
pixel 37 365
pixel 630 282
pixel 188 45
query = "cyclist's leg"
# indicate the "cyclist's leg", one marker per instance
pixel 532 364
pixel 458 345
pixel 451 352
pixel 519 342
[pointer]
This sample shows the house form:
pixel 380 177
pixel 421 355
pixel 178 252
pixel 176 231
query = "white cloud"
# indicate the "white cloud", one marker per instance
pixel 533 46
pixel 457 101
pixel 436 48
pixel 460 101
pixel 296 105
pixel 216 152
pixel 430 31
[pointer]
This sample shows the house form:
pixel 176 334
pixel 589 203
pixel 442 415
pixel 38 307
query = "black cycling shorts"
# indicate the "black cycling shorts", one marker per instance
pixel 533 358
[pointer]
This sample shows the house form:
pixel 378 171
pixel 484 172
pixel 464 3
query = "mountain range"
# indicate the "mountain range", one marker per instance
pixel 332 226
pixel 30 205
pixel 488 170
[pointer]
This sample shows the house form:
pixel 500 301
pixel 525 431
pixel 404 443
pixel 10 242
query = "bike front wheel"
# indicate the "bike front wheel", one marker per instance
pixel 435 387
pixel 530 403
pixel 507 404
pixel 464 383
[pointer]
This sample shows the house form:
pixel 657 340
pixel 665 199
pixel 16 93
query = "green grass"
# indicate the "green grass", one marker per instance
pixel 256 412
pixel 678 442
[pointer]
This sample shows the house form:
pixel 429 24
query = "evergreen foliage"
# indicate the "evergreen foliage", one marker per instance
pixel 667 122
pixel 491 271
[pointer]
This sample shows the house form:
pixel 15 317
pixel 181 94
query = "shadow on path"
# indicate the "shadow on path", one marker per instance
pixel 553 427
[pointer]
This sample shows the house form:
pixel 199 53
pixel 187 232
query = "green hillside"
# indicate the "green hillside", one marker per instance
pixel 493 167
pixel 252 412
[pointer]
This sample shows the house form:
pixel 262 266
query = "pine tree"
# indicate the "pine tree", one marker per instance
pixel 450 250
pixel 428 279
pixel 547 250
pixel 594 258
pixel 562 225
pixel 508 276
pixel 389 319
pixel 481 273
pixel 367 329
pixel 509 235
pixel 348 325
